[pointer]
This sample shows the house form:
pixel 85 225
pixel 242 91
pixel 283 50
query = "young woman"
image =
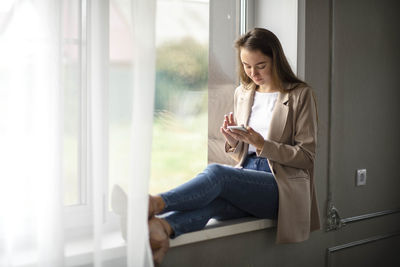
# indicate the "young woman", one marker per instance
pixel 274 175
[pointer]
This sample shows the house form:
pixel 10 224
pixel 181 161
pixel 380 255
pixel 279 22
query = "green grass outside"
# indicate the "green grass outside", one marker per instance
pixel 179 152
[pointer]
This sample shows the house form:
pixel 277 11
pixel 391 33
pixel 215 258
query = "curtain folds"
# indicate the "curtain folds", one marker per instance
pixel 30 136
pixel 97 92
pixel 35 229
pixel 143 18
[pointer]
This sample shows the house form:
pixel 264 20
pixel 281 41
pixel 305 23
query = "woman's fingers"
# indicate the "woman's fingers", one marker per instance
pixel 244 136
pixel 231 119
pixel 225 123
pixel 237 134
pixel 250 137
pixel 228 120
pixel 222 130
pixel 255 138
pixel 250 130
pixel 228 137
pixel 228 133
pixel 231 136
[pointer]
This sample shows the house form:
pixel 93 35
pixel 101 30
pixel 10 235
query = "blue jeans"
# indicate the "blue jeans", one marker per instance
pixel 222 192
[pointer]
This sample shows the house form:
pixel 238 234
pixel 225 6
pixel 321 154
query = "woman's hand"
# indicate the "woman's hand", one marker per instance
pixel 228 134
pixel 251 137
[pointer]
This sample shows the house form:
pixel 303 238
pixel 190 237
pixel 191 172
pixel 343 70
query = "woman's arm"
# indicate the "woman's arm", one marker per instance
pixel 235 151
pixel 302 154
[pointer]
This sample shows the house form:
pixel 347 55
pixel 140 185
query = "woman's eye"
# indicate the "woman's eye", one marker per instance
pixel 260 67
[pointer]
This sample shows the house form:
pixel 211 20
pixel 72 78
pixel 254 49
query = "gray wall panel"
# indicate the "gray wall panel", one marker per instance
pixel 365 112
pixel 382 252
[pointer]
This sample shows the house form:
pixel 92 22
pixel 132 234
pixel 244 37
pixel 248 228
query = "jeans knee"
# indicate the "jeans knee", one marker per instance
pixel 217 170
pixel 213 167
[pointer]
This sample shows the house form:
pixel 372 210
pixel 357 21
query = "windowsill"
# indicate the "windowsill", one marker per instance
pixel 80 251
pixel 216 229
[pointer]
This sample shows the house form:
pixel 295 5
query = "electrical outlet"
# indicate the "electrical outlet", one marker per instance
pixel 361 178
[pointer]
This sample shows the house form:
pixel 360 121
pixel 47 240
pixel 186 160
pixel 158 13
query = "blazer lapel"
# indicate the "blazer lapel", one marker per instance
pixel 279 116
pixel 246 99
pixel 279 113
pixel 249 105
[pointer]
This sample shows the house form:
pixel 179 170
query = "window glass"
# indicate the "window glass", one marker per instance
pixel 71 79
pixel 120 93
pixel 179 149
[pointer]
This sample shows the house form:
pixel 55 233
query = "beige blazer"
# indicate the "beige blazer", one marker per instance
pixel 290 149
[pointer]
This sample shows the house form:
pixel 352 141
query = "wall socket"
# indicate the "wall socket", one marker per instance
pixel 361 177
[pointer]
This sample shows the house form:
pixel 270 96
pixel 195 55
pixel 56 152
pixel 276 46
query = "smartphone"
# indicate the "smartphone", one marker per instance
pixel 241 128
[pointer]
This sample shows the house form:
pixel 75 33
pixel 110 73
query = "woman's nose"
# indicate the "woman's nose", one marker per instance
pixel 254 72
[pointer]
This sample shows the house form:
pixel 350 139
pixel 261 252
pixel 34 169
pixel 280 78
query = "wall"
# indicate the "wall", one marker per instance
pixel 351 59
pixel 280 17
pixel 363 126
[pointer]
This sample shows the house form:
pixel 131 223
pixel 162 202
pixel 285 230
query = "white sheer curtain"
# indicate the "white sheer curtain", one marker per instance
pixel 142 116
pixel 32 211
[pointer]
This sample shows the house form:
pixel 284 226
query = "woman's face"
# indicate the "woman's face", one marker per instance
pixel 257 66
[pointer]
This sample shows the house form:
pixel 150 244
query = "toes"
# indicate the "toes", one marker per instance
pixel 159 239
pixel 159 254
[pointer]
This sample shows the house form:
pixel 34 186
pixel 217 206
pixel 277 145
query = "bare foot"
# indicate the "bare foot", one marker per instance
pixel 156 205
pixel 159 233
pixel 119 201
pixel 119 205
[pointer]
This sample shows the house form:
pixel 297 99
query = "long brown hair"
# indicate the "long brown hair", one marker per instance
pixel 267 43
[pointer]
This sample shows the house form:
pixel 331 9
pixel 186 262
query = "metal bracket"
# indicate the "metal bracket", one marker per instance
pixel 333 222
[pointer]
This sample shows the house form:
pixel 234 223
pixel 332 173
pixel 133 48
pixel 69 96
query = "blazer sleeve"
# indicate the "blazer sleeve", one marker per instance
pixel 302 153
pixel 235 152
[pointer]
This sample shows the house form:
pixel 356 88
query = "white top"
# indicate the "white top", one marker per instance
pixel 261 114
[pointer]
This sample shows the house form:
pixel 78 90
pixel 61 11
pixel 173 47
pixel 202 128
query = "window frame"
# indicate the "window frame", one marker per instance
pixel 82 209
pixel 79 217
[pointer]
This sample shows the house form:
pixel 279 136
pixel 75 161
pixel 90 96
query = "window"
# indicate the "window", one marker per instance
pixel 73 79
pixel 180 123
pixel 120 93
pixel 180 131
pixel 180 116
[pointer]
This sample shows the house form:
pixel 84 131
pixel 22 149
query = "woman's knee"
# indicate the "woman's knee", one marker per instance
pixel 218 170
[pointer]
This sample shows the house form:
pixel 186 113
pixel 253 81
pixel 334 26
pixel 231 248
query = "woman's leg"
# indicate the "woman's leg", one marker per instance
pixel 193 220
pixel 221 192
pixel 252 191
